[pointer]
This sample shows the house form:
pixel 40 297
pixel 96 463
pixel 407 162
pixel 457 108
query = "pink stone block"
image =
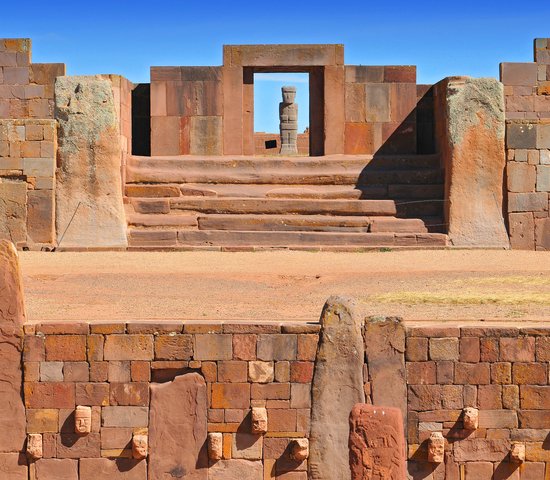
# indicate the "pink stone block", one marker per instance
pixel 524 74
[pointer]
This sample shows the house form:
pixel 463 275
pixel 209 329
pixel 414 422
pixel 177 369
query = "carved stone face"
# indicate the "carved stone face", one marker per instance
pixel 436 448
pixel 139 446
pixel 470 418
pixel 517 453
pixel 83 420
pixel 289 94
pixel 300 449
pixel 34 445
pixel 259 420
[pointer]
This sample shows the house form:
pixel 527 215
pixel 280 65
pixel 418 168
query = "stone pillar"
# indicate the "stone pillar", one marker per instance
pixel 288 122
pixel 12 413
pixel 337 386
pixel 89 156
pixel 470 138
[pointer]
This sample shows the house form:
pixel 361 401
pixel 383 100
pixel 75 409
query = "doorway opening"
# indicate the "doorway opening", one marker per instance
pixel 267 97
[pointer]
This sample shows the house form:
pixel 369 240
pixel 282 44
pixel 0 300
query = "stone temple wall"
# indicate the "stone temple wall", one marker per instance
pixel 124 372
pixel 527 94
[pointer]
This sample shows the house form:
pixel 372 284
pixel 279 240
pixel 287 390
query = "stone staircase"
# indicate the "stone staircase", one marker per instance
pixel 331 203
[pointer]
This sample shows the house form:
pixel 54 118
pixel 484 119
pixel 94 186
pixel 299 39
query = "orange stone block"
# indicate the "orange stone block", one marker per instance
pixel 231 395
pixel 359 138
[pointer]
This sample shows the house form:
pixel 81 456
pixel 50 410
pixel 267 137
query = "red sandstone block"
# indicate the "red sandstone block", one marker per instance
pixel 128 347
pixel 213 347
pixel 501 373
pixel 523 74
pixel 125 417
pixel 359 138
pixel 478 470
pixel 209 371
pixel 71 445
pixel 301 372
pixel 155 328
pixel 140 371
pixel 469 349
pixel 92 394
pixel 119 371
pixel 472 373
pixel 530 373
pixel 489 349
pixel 307 346
pixel 535 397
pixel 202 327
pixel 417 349
pixel 230 395
pixel 76 372
pixel 119 469
pixel 543 349
pixel 107 328
pixel 134 393
pixel 174 347
pixel 517 349
pixel 281 420
pixel 445 372
pixel 232 371
pixel 270 391
pixel 489 397
pixel 453 396
pixel 421 373
pixel 425 397
pixel 244 347
pixel 66 347
pixel 49 395
pixel 115 438
pixel 522 231
pixel 534 419
pixel 42 420
pixel 277 347
pixel 521 177
pixel 400 74
pixel 31 371
pixel 34 349
pixel 16 75
pixel 99 371
pixel 95 348
pixel 250 327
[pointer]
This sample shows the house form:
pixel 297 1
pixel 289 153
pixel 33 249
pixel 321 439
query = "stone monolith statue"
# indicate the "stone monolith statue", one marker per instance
pixel 288 116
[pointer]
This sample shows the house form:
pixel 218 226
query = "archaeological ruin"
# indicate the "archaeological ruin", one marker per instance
pixel 92 163
pixel 98 162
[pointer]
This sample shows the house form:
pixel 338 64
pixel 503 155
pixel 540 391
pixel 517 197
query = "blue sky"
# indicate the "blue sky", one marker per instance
pixel 127 37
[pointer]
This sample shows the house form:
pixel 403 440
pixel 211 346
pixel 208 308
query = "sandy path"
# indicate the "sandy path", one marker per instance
pixel 283 285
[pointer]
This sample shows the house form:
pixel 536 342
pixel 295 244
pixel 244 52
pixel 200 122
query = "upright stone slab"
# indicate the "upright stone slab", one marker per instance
pixel 337 387
pixel 89 157
pixel 376 443
pixel 177 429
pixel 470 119
pixel 13 210
pixel 12 317
pixel 385 354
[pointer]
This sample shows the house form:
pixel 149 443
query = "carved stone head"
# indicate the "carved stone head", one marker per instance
pixel 34 445
pixel 259 420
pixel 139 446
pixel 299 449
pixel 83 420
pixel 289 94
pixel 436 448
pixel 470 418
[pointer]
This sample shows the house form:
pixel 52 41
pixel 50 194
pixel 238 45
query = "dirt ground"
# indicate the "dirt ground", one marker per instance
pixel 286 285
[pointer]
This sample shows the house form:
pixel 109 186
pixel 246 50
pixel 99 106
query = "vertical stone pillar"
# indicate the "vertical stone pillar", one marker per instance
pixel 470 137
pixel 233 110
pixel 335 117
pixel 12 412
pixel 337 387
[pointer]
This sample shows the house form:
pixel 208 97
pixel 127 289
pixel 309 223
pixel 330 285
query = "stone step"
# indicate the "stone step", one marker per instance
pixel 430 191
pixel 218 238
pixel 270 206
pixel 336 170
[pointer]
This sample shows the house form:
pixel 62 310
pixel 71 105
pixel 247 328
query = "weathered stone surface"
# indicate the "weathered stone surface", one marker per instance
pixel 215 446
pixel 474 159
pixel 177 429
pixel 236 470
pixel 13 210
pixel 56 469
pixel 337 387
pixel 89 156
pixel 13 466
pixel 12 317
pixel 121 469
pixel 376 443
pixel 385 353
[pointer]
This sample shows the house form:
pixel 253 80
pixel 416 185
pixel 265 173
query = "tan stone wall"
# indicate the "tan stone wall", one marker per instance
pixel 527 94
pixel 27 181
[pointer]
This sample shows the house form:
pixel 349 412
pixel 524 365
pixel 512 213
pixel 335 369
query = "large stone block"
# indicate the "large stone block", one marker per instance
pixel 119 469
pixel 521 135
pixel 518 74
pixel 235 470
pixel 522 231
pixel 337 387
pixel 283 55
pixel 177 429
pixel 89 155
pixel 13 466
pixel 542 233
pixel 206 135
pixel 56 469
pixel 12 317
pixel 376 443
pixel 13 210
pixel 474 159
pixel 41 216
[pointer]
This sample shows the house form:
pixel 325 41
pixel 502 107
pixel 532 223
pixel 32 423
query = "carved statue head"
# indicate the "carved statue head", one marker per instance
pixel 289 94
pixel 83 420
pixel 139 446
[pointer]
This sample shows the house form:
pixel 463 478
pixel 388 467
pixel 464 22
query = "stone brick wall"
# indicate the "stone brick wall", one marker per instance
pixel 26 89
pixel 527 94
pixel 110 367
pixel 503 372
pixel 380 109
pixel 186 111
pixel 27 181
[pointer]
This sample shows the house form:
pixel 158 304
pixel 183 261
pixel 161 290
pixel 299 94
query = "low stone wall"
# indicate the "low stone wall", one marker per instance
pixel 503 372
